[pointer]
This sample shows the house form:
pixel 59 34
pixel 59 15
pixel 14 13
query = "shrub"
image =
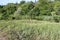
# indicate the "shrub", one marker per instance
pixel 39 17
pixel 56 18
pixel 48 18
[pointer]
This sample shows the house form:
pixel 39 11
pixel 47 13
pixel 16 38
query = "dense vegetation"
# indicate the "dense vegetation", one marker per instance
pixel 30 20
pixel 40 10
pixel 29 30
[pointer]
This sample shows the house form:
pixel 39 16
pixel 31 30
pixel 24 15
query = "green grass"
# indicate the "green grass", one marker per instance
pixel 30 30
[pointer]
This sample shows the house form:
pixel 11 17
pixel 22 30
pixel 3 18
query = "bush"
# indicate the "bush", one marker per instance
pixel 44 18
pixel 48 18
pixel 39 17
pixel 56 18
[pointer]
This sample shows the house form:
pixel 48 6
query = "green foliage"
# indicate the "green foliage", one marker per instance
pixel 26 8
pixel 34 12
pixel 30 10
pixel 1 9
pixel 22 2
pixel 57 8
pixel 39 18
pixel 44 6
pixel 8 10
pixel 56 18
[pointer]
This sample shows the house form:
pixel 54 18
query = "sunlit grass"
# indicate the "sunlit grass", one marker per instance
pixel 30 30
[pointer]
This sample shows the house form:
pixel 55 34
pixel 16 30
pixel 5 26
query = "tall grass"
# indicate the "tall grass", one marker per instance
pixel 30 30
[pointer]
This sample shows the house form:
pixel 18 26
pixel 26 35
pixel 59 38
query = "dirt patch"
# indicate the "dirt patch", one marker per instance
pixel 3 36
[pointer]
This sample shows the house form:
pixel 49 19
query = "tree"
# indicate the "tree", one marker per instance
pixel 44 7
pixel 22 2
pixel 8 10
pixel 26 8
pixel 56 0
pixel 57 8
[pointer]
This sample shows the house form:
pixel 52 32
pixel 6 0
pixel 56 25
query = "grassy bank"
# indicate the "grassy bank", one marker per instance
pixel 29 30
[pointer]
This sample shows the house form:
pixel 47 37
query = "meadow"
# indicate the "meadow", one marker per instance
pixel 29 30
pixel 38 20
